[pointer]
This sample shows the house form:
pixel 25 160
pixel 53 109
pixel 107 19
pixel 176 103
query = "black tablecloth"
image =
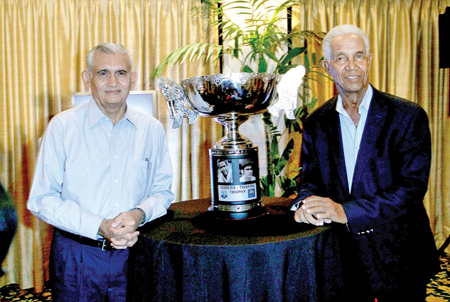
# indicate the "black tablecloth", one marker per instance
pixel 188 255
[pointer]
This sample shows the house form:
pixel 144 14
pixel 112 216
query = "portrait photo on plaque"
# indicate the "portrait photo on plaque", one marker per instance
pixel 246 170
pixel 224 170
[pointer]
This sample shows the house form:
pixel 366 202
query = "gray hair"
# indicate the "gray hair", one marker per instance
pixel 340 31
pixel 108 48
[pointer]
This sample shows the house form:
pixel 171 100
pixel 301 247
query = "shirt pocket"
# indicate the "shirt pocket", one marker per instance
pixel 138 180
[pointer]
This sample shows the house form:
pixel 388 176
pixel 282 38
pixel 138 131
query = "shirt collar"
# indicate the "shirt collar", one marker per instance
pixel 130 116
pixel 365 104
pixel 95 114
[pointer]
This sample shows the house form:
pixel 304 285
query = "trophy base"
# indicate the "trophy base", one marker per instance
pixel 252 214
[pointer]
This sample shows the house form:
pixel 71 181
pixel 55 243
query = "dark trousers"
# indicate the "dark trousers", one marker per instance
pixel 358 284
pixel 79 272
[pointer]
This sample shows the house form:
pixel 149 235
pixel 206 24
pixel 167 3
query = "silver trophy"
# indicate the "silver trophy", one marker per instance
pixel 230 99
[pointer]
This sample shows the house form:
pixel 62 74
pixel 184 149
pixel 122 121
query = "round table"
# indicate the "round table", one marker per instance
pixel 189 255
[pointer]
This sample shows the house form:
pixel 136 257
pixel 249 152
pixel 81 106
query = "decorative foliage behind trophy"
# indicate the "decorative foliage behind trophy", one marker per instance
pixel 265 42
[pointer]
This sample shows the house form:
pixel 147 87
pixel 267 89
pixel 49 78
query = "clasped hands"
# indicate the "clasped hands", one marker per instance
pixel 318 210
pixel 121 231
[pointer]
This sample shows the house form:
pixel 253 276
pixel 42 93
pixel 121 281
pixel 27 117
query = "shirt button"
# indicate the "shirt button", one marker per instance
pixel 116 204
pixel 116 180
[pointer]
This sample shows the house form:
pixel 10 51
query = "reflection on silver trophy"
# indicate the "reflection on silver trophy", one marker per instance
pixel 230 99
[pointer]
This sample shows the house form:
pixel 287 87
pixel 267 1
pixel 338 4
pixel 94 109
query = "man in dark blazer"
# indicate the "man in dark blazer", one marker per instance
pixel 366 161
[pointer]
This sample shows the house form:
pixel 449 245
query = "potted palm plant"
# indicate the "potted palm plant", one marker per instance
pixel 260 45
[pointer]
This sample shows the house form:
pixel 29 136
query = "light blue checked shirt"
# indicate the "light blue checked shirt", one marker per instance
pixel 89 170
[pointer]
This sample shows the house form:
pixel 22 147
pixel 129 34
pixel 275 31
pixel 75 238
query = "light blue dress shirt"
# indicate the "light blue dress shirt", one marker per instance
pixel 352 134
pixel 89 170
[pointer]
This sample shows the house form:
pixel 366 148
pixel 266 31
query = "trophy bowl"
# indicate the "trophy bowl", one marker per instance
pixel 222 94
pixel 231 98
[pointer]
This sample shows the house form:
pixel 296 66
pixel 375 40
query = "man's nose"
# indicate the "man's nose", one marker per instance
pixel 112 80
pixel 351 64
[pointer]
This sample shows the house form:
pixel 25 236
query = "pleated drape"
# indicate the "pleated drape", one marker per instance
pixel 42 51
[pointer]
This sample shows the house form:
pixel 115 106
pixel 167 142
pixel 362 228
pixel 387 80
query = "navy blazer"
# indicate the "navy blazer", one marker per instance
pixel 389 227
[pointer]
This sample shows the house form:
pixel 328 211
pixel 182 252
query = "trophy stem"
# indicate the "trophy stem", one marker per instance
pixel 233 139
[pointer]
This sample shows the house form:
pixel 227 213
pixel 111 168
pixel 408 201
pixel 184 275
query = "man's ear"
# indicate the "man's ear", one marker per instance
pixel 326 66
pixel 133 79
pixel 86 76
pixel 369 57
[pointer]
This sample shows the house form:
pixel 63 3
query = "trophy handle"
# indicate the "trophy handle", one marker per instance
pixel 287 90
pixel 176 101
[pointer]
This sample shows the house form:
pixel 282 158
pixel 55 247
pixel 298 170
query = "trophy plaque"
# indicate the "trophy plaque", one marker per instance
pixel 230 99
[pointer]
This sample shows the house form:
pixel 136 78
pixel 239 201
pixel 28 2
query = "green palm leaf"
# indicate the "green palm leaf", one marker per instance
pixel 203 51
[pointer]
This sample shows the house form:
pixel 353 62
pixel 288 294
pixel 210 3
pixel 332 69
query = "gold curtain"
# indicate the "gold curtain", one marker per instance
pixel 43 48
pixel 43 45
pixel 404 40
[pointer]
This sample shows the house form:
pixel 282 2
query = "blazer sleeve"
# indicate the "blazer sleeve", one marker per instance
pixel 315 158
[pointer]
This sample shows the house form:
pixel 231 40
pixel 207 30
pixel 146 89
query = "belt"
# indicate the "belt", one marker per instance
pixel 104 244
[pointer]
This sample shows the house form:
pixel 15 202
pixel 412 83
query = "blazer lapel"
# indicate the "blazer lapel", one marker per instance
pixel 372 129
pixel 337 146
